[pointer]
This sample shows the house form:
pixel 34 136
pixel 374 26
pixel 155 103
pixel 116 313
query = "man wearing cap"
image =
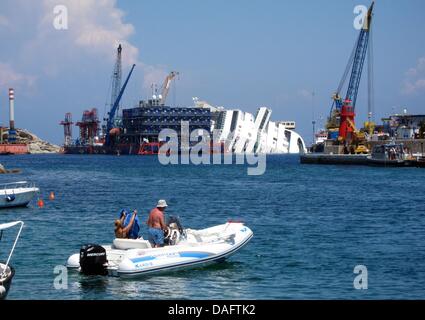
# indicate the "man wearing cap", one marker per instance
pixel 156 224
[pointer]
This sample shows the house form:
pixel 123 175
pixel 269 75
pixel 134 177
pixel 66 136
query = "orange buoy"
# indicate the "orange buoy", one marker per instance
pixel 40 203
pixel 52 196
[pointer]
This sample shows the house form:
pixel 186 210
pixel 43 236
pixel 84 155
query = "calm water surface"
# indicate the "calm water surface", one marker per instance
pixel 312 225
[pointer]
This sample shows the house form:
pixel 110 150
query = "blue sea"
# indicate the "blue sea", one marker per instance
pixel 312 226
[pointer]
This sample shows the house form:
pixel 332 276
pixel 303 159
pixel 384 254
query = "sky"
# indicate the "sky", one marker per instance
pixel 237 54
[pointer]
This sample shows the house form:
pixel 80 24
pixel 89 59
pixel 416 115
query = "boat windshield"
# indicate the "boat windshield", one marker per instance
pixel 16 185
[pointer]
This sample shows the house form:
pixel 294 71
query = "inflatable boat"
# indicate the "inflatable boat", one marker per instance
pixel 6 270
pixel 184 248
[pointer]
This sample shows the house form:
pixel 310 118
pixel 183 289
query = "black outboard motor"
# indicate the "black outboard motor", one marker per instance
pixel 93 260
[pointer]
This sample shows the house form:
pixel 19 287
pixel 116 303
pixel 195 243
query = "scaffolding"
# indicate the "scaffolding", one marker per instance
pixel 89 127
pixel 146 123
pixel 67 129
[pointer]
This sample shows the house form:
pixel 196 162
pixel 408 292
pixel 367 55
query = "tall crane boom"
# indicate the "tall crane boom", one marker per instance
pixel 359 59
pixel 116 77
pixel 166 86
pixel 345 109
pixel 111 114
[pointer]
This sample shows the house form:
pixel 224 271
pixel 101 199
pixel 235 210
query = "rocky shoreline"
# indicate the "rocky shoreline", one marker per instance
pixel 35 144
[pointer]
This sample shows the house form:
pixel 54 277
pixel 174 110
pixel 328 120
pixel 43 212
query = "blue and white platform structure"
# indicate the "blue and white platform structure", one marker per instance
pixel 192 248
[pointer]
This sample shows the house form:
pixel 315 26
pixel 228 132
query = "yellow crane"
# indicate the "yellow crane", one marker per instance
pixel 370 126
pixel 166 86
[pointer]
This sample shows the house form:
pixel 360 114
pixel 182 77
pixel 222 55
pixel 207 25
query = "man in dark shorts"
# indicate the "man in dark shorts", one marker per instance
pixel 156 224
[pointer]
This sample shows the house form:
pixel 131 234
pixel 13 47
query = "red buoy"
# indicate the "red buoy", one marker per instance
pixel 40 203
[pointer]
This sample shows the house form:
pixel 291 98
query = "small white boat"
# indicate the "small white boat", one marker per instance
pixel 6 271
pixel 186 248
pixel 17 194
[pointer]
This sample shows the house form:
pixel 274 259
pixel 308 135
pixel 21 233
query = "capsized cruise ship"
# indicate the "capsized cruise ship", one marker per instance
pixel 242 132
pixel 139 130
pixel 230 131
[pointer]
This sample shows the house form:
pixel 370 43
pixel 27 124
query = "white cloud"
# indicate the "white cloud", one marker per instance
pixel 12 78
pixel 305 93
pixel 154 75
pixel 98 27
pixel 414 81
pixel 95 28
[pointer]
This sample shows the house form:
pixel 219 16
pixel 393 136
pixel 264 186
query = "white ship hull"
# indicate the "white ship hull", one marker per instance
pixel 241 132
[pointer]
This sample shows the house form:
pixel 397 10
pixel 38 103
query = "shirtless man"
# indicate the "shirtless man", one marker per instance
pixel 156 224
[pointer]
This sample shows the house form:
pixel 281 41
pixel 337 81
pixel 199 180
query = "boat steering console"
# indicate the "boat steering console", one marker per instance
pixel 173 232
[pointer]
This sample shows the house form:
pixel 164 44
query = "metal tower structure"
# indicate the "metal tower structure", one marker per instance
pixel 116 77
pixel 111 114
pixel 67 128
pixel 12 131
pixel 89 127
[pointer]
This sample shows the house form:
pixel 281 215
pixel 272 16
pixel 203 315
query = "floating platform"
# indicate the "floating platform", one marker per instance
pixel 340 159
pixel 357 159
pixel 86 150
pixel 10 149
pixel 120 149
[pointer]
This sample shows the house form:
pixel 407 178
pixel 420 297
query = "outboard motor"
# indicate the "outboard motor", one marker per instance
pixel 93 260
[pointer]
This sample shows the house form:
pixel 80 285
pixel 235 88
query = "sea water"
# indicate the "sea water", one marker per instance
pixel 312 226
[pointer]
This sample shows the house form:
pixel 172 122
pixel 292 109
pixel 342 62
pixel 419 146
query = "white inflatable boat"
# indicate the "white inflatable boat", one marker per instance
pixel 6 270
pixel 185 248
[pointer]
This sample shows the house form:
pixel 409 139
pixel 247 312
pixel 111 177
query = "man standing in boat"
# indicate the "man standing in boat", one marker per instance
pixel 156 224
